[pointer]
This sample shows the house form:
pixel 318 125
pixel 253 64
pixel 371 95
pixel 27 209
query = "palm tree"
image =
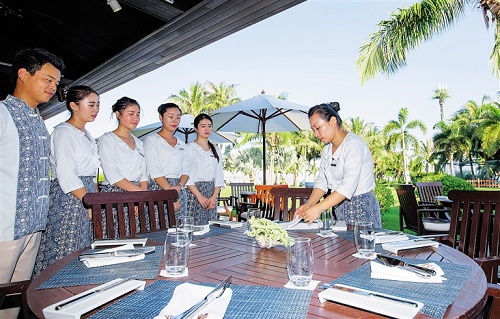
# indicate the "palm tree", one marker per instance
pixel 194 101
pixel 221 95
pixel 427 150
pixel 398 135
pixel 447 142
pixel 357 126
pixel 441 94
pixel 489 129
pixel 385 50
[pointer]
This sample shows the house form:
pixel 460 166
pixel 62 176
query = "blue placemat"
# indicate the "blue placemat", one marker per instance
pixel 435 297
pixel 159 236
pixel 247 302
pixel 77 274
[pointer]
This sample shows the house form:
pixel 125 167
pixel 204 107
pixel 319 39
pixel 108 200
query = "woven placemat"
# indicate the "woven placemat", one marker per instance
pixel 77 274
pixel 159 236
pixel 247 302
pixel 435 297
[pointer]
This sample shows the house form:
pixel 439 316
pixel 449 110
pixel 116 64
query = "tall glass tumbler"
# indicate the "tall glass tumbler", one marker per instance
pixel 300 261
pixel 185 224
pixel 176 253
pixel 364 238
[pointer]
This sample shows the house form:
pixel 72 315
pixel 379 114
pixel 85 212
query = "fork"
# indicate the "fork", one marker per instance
pixel 201 303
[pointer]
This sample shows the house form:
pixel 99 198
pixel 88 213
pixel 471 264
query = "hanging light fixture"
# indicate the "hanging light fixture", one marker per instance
pixel 115 6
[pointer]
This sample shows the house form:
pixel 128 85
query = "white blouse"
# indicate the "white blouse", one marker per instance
pixel 73 153
pixel 203 166
pixel 164 160
pixel 349 171
pixel 119 161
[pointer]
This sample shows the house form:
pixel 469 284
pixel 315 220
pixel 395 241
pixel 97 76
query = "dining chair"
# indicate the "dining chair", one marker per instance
pixel 236 189
pixel 265 200
pixel 224 208
pixel 154 210
pixel 16 288
pixel 287 200
pixel 418 219
pixel 475 228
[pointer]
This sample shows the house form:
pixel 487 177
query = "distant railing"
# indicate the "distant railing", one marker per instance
pixel 484 183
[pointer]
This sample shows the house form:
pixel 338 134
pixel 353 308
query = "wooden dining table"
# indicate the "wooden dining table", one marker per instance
pixel 234 253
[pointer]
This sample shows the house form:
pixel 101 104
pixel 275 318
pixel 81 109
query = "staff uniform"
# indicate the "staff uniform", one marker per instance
pixel 349 171
pixel 24 188
pixel 164 160
pixel 74 161
pixel 206 173
pixel 119 161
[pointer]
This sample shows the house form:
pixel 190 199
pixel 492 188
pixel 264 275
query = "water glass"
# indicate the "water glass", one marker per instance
pixel 185 224
pixel 176 252
pixel 326 221
pixel 252 212
pixel 364 238
pixel 300 262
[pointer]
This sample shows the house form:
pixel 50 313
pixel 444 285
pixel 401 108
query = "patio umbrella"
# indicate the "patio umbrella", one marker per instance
pixel 185 132
pixel 260 114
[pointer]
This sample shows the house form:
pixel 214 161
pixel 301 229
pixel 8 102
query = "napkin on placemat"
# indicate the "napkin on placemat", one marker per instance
pixel 187 295
pixel 394 247
pixel 331 235
pixel 112 260
pixel 382 239
pixel 299 226
pixel 201 230
pixel 380 271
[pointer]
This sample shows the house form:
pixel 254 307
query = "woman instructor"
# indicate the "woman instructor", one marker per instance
pixel 346 172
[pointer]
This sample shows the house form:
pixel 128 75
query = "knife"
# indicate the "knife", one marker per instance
pixel 373 294
pixel 394 262
pixel 118 253
pixel 93 292
pixel 208 298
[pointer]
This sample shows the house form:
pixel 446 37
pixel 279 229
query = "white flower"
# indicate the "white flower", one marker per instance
pixel 268 234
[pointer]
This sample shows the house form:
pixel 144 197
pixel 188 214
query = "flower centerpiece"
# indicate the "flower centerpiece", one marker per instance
pixel 268 234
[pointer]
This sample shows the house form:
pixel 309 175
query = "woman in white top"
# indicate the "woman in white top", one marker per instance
pixel 122 154
pixel 346 172
pixel 204 161
pixel 164 155
pixel 74 162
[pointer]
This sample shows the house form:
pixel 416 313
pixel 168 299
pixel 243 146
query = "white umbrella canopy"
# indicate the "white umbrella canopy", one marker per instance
pixel 185 132
pixel 260 114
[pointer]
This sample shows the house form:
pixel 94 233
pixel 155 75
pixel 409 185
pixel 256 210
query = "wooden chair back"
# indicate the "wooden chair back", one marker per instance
pixel 236 189
pixel 428 191
pixel 17 287
pixel 265 201
pixel 150 203
pixel 475 228
pixel 287 200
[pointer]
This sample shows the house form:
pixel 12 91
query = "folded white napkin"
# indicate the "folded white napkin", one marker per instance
pixel 381 239
pixel 380 271
pixel 186 295
pixel 104 261
pixel 394 247
pixel 311 286
pixel 299 226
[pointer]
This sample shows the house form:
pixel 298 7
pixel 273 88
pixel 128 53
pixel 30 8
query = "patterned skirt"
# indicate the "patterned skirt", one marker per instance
pixel 182 196
pixel 201 215
pixel 68 227
pixel 364 207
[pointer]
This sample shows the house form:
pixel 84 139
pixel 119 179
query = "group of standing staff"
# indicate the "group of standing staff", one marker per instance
pixel 35 209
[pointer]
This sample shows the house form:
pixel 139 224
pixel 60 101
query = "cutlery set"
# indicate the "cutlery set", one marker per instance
pixel 117 253
pixel 394 262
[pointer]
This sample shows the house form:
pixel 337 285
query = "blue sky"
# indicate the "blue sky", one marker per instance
pixel 309 51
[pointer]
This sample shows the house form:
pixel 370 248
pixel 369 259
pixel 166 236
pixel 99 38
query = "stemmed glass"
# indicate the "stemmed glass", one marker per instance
pixel 185 224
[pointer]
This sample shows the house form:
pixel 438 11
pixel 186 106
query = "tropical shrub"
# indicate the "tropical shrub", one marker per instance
pixel 449 182
pixel 384 197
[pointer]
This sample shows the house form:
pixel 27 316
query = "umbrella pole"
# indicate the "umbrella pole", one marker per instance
pixel 264 151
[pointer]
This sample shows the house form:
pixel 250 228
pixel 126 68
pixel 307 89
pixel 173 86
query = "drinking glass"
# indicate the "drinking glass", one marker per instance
pixel 364 238
pixel 326 221
pixel 176 252
pixel 300 261
pixel 252 212
pixel 185 224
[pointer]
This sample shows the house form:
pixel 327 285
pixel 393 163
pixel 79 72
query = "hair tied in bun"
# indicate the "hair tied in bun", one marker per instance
pixel 335 106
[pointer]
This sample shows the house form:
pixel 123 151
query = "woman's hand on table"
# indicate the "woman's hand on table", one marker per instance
pixel 299 211
pixel 309 214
